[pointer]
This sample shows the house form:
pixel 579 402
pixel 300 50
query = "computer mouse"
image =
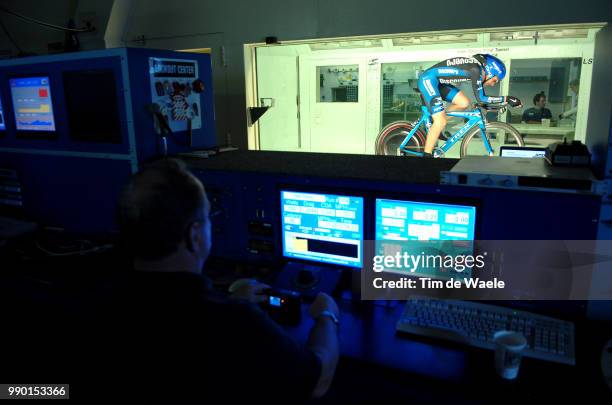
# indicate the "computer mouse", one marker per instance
pixel 306 279
pixel 606 363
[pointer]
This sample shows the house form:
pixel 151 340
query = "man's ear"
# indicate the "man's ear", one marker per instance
pixel 194 237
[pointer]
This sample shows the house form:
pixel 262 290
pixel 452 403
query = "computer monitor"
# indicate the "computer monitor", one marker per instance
pixel 320 227
pixel 522 152
pixel 413 220
pixel 399 221
pixel 32 104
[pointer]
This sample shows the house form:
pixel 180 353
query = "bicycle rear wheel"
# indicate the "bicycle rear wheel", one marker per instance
pixel 499 134
pixel 391 137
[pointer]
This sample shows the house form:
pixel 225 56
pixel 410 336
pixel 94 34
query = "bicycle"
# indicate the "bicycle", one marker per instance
pixel 406 138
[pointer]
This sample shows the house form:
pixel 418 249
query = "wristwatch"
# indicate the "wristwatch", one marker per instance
pixel 330 315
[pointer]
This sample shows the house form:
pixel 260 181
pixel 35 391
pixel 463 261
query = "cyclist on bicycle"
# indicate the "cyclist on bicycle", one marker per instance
pixel 436 84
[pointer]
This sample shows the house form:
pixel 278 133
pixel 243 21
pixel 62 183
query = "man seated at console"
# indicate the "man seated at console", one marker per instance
pixel 177 337
pixel 536 114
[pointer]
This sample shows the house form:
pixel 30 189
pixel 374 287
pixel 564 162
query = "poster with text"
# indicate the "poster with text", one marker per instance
pixel 176 88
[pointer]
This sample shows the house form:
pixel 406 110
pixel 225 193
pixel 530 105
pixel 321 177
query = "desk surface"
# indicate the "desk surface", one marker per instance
pixel 402 169
pixel 537 129
pixel 367 334
pixel 530 129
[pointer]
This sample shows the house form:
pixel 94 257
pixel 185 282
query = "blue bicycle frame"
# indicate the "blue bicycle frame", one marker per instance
pixel 474 117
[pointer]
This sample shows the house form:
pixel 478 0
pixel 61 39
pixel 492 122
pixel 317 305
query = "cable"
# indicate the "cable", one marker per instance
pixel 8 35
pixel 82 251
pixel 44 24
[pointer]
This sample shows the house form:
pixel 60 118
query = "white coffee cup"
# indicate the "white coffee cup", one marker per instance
pixel 508 353
pixel 545 122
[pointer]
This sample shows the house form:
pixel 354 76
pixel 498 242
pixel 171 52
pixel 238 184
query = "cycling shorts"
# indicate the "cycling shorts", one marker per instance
pixel 434 92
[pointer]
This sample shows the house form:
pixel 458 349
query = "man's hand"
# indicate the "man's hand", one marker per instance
pixel 323 342
pixel 323 302
pixel 248 290
pixel 513 101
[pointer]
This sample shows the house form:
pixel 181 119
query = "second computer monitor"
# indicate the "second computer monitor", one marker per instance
pixel 326 228
pixel 414 220
pixel 448 230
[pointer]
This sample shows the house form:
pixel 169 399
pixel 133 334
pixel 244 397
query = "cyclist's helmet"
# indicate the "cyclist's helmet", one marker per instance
pixel 492 65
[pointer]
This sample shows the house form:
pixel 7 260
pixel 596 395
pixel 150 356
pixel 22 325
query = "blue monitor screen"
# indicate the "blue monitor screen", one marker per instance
pixel 275 301
pixel 453 225
pixel 32 104
pixel 326 228
pixel 411 220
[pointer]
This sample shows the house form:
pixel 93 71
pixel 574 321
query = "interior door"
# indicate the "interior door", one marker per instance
pixel 336 117
pixel 277 84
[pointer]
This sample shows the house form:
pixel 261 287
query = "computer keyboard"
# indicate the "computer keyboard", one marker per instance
pixel 474 323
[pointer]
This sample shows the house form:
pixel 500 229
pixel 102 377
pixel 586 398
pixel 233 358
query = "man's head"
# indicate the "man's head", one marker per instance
pixel 163 217
pixel 494 69
pixel 539 100
pixel 573 85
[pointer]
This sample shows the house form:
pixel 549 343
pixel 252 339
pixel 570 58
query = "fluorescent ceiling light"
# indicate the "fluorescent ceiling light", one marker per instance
pixel 544 34
pixel 434 39
pixel 367 43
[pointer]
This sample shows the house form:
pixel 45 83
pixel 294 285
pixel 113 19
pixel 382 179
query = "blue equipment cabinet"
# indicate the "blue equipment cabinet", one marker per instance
pixel 74 126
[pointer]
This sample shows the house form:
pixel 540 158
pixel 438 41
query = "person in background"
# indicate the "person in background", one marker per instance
pixel 534 115
pixel 571 113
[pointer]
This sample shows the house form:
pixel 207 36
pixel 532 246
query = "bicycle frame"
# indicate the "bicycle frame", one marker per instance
pixel 474 118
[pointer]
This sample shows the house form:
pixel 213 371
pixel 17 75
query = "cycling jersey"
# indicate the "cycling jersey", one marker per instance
pixel 437 82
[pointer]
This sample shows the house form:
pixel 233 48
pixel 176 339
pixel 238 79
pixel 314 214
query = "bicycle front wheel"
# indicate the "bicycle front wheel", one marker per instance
pixel 499 134
pixel 391 137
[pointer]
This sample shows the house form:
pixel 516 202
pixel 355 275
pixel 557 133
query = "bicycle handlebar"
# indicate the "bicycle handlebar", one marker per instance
pixel 498 107
pixel 492 107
